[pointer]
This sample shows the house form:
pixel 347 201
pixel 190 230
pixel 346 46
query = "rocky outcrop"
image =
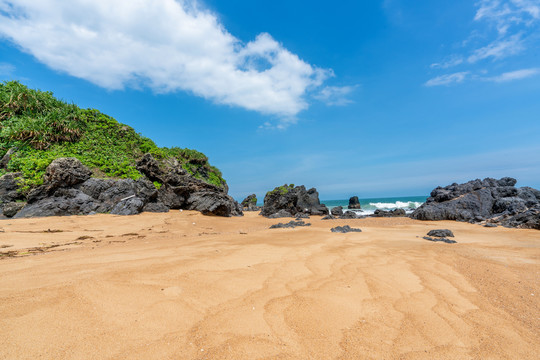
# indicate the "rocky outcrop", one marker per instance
pixel 389 213
pixel 441 233
pixel 344 229
pixel 68 189
pixel 250 203
pixel 293 200
pixel 290 225
pixel 337 211
pixel 484 201
pixel 179 190
pixel 354 203
pixel 349 215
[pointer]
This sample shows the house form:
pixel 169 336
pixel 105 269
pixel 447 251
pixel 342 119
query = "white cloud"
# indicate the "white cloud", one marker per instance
pixel 447 79
pixel 515 75
pixel 498 49
pixel 335 95
pixel 450 62
pixel 505 14
pixel 503 28
pixel 167 45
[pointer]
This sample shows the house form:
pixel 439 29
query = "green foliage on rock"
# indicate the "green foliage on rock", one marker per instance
pixel 284 189
pixel 42 128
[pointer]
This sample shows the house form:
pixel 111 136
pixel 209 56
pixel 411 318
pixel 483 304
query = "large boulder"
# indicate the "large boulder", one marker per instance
pixel 293 200
pixel 11 208
pixel 480 200
pixel 354 203
pixel 64 201
pixel 66 172
pixel 213 203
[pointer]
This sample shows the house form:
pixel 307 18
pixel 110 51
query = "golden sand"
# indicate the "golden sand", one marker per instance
pixel 184 286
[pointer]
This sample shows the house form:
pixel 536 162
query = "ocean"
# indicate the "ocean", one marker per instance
pixel 409 203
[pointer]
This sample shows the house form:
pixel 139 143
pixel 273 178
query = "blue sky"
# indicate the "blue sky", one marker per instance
pixel 367 98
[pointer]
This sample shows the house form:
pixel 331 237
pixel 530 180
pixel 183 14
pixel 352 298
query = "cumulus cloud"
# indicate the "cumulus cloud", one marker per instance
pixel 335 95
pixel 515 75
pixel 167 45
pixel 447 79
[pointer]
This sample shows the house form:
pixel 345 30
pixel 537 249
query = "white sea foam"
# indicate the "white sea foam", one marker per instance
pixel 397 205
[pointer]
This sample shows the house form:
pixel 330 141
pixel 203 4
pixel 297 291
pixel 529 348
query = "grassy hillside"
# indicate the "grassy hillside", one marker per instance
pixel 39 128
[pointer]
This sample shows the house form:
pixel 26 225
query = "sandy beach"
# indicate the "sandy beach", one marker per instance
pixel 181 285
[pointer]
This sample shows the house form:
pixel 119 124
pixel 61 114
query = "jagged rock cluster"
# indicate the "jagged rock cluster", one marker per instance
pixel 69 189
pixel 339 214
pixel 290 225
pixel 389 213
pixel 289 201
pixel 440 235
pixel 487 201
pixel 344 229
pixel 250 203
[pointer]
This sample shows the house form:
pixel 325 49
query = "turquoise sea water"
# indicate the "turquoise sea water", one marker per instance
pixel 409 203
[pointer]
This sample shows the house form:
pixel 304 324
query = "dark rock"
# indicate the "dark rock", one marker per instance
pixel 301 216
pixel 12 208
pixel 213 203
pixel 344 229
pixel 155 207
pixel 441 233
pixel 66 172
pixel 94 187
pixel 445 240
pixel 496 201
pixel 528 219
pixel 509 205
pixel 250 203
pixel 9 186
pixel 68 189
pixel 180 190
pixel 293 200
pixel 389 213
pixel 337 211
pixel 290 224
pixel 62 202
pixel 490 225
pixel 150 167
pixel 328 217
pixel 280 214
pixel 349 215
pixel 7 158
pixel 131 206
pixel 354 203
pixel 507 181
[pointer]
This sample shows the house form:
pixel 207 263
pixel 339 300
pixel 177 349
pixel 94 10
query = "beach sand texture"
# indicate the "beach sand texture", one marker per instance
pixel 185 286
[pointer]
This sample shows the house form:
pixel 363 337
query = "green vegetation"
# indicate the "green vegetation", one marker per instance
pixel 41 128
pixel 281 190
